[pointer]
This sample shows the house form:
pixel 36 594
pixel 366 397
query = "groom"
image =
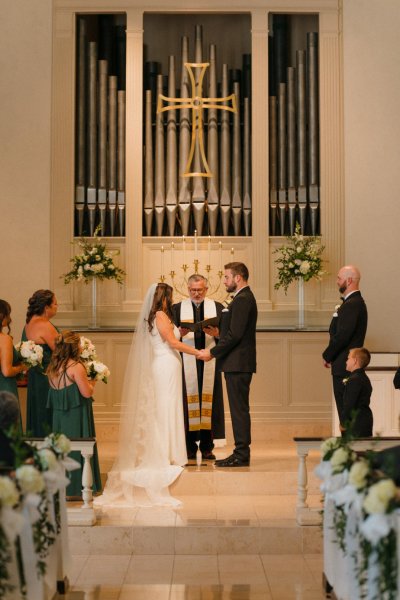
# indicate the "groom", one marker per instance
pixel 236 358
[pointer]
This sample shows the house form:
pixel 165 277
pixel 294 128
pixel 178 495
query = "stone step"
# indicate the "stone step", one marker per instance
pixel 238 481
pixel 223 529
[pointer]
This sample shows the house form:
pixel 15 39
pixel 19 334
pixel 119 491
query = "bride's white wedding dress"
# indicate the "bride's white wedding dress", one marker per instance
pixel 152 447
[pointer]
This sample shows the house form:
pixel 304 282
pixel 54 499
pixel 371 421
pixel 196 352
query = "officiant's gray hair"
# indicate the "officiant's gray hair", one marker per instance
pixel 9 410
pixel 197 277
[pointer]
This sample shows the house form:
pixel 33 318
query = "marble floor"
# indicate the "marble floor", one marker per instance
pixel 196 577
pixel 235 537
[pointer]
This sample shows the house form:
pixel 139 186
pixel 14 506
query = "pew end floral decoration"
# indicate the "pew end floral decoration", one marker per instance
pixel 301 258
pixel 365 501
pixel 95 260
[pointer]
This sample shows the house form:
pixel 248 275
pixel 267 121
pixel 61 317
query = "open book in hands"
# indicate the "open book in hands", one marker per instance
pixel 200 325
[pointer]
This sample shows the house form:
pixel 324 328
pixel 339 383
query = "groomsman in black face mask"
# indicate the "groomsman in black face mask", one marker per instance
pixel 236 358
pixel 347 330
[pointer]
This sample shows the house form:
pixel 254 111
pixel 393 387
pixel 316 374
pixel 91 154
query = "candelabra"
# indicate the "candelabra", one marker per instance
pixel 213 274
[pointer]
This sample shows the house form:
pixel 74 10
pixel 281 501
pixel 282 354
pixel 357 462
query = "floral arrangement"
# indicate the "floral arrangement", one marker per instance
pixel 95 369
pixel 31 488
pixel 88 349
pixel 364 501
pixel 94 261
pixel 301 259
pixel 30 354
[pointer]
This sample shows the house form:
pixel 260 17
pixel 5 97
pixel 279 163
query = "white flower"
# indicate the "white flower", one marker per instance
pixel 304 267
pixel 48 459
pixel 9 495
pixel 31 353
pixel 328 445
pixel 63 444
pixel 97 370
pixel 87 267
pixel 98 257
pixel 111 267
pixel 29 479
pixel 379 496
pixel 375 527
pixel 297 261
pixel 358 474
pixel 339 457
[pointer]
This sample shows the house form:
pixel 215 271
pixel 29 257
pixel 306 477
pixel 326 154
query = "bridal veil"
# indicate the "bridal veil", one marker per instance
pixel 142 472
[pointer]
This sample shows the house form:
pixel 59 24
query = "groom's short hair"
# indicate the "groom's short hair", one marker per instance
pixel 238 268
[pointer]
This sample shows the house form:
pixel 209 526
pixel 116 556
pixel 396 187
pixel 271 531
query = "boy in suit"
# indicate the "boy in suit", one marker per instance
pixel 236 358
pixel 357 416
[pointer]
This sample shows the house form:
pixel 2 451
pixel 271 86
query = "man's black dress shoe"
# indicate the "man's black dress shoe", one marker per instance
pixel 208 455
pixel 232 461
pixel 220 460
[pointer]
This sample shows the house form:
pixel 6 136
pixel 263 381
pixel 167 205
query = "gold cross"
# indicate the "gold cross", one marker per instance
pixel 197 103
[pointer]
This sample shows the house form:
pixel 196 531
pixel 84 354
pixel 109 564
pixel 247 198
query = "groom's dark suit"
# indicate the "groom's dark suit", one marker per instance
pixel 236 356
pixel 347 330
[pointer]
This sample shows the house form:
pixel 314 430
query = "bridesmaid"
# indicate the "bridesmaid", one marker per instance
pixel 41 308
pixel 10 364
pixel 70 398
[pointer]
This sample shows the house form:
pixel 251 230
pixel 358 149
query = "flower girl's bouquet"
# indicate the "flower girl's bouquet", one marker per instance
pixel 97 370
pixel 30 354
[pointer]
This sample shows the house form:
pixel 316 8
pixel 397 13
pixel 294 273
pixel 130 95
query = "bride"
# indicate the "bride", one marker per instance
pixel 152 447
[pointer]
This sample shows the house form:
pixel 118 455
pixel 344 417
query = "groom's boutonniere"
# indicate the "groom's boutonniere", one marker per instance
pixel 345 380
pixel 335 314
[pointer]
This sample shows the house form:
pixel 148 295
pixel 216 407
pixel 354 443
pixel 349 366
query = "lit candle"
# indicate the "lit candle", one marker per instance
pixel 195 243
pixel 232 251
pixel 209 249
pixel 184 249
pixel 172 255
pixel 162 261
pixel 220 255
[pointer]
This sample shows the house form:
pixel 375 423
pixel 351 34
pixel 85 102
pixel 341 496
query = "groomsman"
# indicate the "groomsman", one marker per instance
pixel 203 395
pixel 347 330
pixel 236 358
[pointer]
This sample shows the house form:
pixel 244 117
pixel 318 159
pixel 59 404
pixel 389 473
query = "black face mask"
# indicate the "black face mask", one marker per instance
pixel 343 288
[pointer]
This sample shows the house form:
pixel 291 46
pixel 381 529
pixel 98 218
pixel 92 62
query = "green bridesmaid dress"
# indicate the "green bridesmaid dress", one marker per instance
pixel 38 416
pixel 9 384
pixel 73 416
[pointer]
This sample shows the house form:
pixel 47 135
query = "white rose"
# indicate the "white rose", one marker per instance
pixel 30 479
pixel 93 250
pixel 299 249
pixel 297 261
pixel 48 459
pixel 339 457
pixel 379 495
pixel 63 444
pixel 328 445
pixel 358 474
pixel 25 352
pixel 9 495
pixel 87 267
pixel 111 267
pixel 305 267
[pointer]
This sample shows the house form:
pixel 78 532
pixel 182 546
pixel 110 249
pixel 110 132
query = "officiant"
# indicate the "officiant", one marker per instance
pixel 202 389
